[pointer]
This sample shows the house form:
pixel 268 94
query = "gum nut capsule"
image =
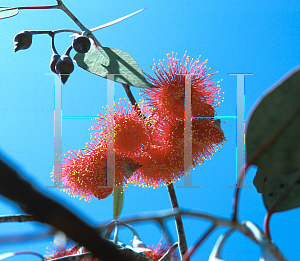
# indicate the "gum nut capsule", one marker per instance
pixel 53 61
pixel 22 40
pixel 81 44
pixel 64 65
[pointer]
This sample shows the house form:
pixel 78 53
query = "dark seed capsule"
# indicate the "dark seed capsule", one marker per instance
pixel 53 61
pixel 81 44
pixel 22 40
pixel 65 66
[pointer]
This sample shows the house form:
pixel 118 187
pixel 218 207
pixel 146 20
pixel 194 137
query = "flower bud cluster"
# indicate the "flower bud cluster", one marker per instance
pixel 62 65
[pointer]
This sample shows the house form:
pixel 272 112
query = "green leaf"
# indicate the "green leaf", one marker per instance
pixel 118 201
pixel 8 12
pixel 259 179
pixel 275 186
pixel 275 124
pixel 122 64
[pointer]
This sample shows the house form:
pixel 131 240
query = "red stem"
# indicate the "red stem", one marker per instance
pixel 188 254
pixel 31 7
pixel 271 211
pixel 267 223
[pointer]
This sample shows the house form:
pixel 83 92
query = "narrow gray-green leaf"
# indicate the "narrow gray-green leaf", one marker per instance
pixel 275 124
pixel 113 22
pixel 287 186
pixel 122 65
pixel 8 12
pixel 118 202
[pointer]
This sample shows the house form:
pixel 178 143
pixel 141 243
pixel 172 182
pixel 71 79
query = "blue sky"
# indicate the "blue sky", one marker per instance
pixel 258 37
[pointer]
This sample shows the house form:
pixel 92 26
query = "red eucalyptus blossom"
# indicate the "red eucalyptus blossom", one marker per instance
pixel 169 98
pixel 155 253
pixel 68 250
pixel 131 130
pixel 84 173
pixel 165 159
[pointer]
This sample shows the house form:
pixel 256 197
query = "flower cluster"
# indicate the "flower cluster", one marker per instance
pixel 166 161
pixel 147 144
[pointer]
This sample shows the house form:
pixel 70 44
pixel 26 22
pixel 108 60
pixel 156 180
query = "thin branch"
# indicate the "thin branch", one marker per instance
pixel 73 17
pixel 193 249
pixel 132 99
pixel 217 221
pixel 112 224
pixel 17 218
pixel 178 221
pixel 66 31
pixel 31 7
pixel 129 94
pixel 54 32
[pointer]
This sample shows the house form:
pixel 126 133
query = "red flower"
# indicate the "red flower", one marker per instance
pixel 157 252
pixel 165 159
pixel 132 130
pixel 59 251
pixel 84 173
pixel 168 98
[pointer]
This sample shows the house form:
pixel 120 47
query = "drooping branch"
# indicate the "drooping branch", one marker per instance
pixel 46 210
